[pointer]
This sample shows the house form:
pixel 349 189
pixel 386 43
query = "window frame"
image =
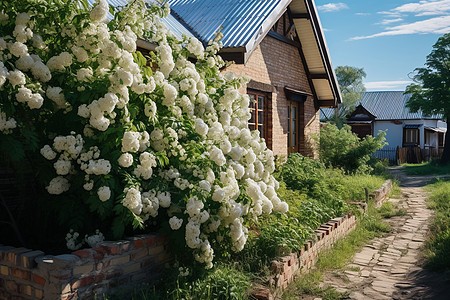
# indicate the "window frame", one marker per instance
pixel 406 134
pixel 255 110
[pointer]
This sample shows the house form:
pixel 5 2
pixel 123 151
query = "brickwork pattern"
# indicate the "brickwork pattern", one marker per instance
pixel 287 267
pixel 279 64
pixel 83 274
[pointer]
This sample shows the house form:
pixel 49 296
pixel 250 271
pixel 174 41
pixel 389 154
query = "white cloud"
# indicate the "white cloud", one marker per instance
pixel 390 14
pixel 362 14
pixel 331 7
pixel 386 85
pixel 437 25
pixel 434 19
pixel 390 21
pixel 425 8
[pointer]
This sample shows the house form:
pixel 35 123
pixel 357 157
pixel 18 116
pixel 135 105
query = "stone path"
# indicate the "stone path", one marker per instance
pixel 389 267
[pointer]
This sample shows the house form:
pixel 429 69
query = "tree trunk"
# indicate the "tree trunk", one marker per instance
pixel 445 159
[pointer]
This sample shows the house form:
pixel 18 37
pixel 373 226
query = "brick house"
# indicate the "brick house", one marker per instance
pixel 280 45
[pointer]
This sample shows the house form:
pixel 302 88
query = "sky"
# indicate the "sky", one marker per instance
pixel 387 38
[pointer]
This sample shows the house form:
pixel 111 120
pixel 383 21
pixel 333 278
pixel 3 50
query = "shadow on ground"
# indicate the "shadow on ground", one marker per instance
pixel 413 180
pixel 426 283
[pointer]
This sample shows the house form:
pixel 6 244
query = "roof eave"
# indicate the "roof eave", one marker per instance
pixel 323 48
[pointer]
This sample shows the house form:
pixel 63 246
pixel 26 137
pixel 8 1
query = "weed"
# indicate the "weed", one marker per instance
pixel 389 210
pixel 310 284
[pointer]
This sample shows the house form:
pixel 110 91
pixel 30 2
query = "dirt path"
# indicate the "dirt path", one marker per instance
pixel 390 267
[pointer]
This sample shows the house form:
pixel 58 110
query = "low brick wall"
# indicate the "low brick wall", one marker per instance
pixel 380 195
pixel 83 274
pixel 285 268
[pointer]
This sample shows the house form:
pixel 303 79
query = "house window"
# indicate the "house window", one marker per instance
pixel 292 128
pixel 411 136
pixel 258 111
pixel 441 139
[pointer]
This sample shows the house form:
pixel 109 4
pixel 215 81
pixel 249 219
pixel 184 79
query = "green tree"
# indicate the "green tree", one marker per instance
pixel 352 88
pixel 431 92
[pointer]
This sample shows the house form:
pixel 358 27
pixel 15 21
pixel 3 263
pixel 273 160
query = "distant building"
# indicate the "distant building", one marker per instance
pixel 387 111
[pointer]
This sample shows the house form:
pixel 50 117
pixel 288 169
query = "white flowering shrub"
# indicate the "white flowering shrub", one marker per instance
pixel 132 140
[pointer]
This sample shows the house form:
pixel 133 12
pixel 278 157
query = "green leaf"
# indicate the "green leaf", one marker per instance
pixel 118 228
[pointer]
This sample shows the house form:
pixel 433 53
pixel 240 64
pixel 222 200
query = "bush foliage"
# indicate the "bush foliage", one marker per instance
pixel 122 140
pixel 341 148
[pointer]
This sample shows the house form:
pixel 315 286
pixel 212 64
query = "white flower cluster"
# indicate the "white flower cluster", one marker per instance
pixel 73 243
pixel 34 100
pixel 6 124
pixel 71 240
pixel 104 193
pixel 58 185
pixel 173 138
pixel 94 240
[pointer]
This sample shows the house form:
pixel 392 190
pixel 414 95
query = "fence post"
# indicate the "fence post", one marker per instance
pixel 397 156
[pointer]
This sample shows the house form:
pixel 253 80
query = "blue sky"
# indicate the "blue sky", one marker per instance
pixel 388 38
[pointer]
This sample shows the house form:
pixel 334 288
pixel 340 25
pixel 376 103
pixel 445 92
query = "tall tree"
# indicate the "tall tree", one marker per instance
pixel 431 92
pixel 351 84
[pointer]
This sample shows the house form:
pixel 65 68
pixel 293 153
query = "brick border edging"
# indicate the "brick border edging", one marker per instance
pixel 284 269
pixel 28 274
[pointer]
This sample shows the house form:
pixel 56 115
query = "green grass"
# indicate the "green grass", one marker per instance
pixel 426 168
pixel 310 285
pixel 223 282
pixel 354 185
pixel 369 226
pixel 315 195
pixel 438 245
pixel 389 210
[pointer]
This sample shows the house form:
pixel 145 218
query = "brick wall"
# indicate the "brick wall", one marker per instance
pixel 284 269
pixel 83 274
pixel 279 64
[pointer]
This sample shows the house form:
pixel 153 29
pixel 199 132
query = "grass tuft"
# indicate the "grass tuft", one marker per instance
pixel 389 210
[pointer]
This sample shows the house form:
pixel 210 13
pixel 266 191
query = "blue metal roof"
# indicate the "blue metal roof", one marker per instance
pixel 170 21
pixel 386 106
pixel 241 19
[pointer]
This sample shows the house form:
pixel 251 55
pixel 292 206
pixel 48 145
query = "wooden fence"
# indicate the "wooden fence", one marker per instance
pixel 413 155
pixel 389 153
